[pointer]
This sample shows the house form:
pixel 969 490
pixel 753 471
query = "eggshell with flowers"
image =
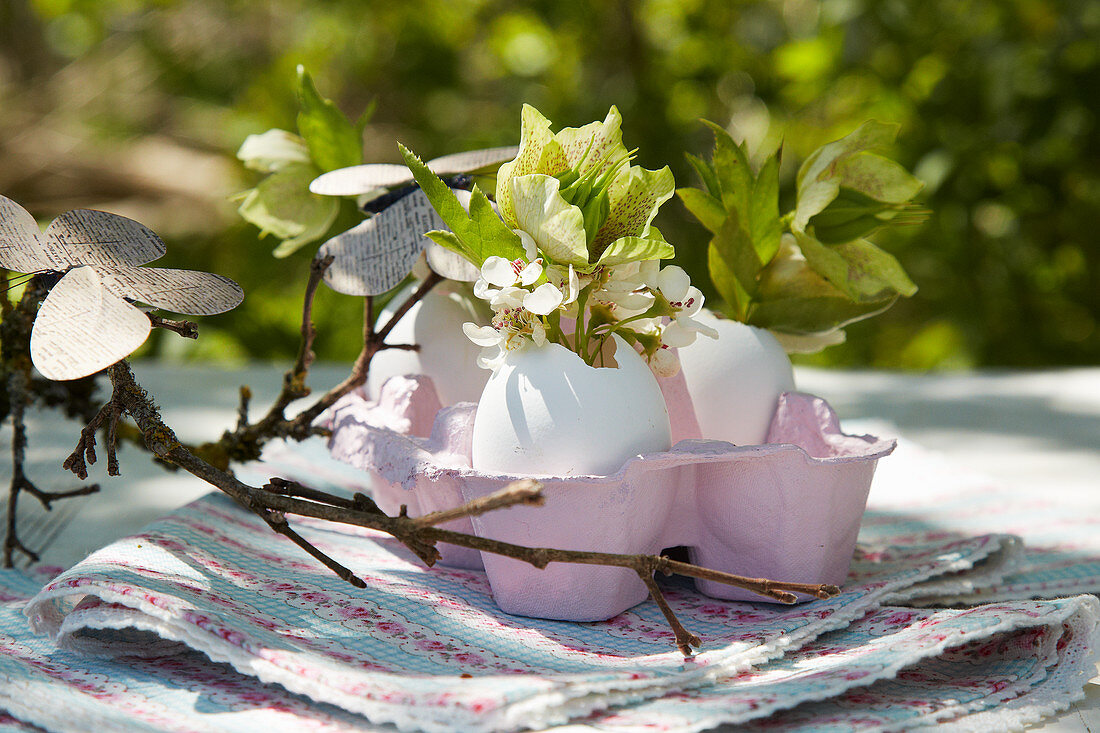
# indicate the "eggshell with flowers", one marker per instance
pixel 546 412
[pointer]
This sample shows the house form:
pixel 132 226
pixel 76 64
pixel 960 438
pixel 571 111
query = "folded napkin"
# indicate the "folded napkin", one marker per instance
pixel 424 648
pixel 920 497
pixel 894 667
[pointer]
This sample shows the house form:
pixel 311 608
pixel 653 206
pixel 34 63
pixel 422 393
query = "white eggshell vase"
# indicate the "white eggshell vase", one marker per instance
pixel 734 381
pixel 545 412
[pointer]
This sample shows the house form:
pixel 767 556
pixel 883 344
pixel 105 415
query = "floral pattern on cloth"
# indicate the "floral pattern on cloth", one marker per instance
pixel 422 648
pixel 894 668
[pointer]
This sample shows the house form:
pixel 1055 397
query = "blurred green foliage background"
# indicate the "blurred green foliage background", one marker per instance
pixel 137 106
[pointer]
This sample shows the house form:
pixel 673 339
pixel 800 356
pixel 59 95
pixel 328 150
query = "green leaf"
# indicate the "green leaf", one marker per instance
pixel 725 282
pixel 365 118
pixel 734 246
pixel 481 232
pixel 704 207
pixel 878 178
pixel 859 269
pixel 706 174
pixel 731 166
pixel 636 249
pixel 282 205
pixel 865 257
pixel 333 141
pixel 849 216
pixel 763 214
pixel 871 134
pixel 812 200
pixel 450 241
pixel 813 314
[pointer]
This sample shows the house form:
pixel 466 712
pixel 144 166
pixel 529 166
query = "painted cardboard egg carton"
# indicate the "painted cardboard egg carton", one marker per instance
pixel 789 509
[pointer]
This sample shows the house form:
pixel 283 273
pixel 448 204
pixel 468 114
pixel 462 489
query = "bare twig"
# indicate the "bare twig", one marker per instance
pixel 526 491
pixel 685 640
pixel 373 342
pixel 17 394
pixel 187 329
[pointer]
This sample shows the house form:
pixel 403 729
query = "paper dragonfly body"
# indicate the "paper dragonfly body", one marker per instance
pixel 378 254
pixel 88 321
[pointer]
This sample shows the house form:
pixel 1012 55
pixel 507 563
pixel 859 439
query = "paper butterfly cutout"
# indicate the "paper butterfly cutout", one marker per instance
pixel 379 253
pixel 88 321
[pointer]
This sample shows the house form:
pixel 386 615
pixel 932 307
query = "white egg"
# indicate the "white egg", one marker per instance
pixel 735 380
pixel 445 355
pixel 545 412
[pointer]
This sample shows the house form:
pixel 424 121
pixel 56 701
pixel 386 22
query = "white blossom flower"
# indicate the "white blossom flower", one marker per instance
pixel 686 300
pixel 628 290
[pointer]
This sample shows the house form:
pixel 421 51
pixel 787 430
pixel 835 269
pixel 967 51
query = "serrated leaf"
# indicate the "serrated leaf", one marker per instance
pixel 481 232
pixel 765 228
pixel 333 141
pixel 731 167
pixel 282 205
pixel 636 249
pixel 704 207
pixel 859 269
pixel 706 174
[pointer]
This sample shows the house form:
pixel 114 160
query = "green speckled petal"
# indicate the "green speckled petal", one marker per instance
pixel 635 197
pixel 538 153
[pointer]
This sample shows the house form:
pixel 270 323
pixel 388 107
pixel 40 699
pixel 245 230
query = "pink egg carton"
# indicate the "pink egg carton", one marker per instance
pixel 787 510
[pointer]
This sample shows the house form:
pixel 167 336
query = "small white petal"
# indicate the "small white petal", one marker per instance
pixel 483 291
pixel 693 302
pixel 574 286
pixel 645 325
pixel 498 271
pixel 543 300
pixel 481 335
pixel 531 273
pixel 674 283
pixel 529 247
pixel 648 272
pixel 509 297
pixel 697 326
pixel 538 333
pixel 491 358
pixel 629 301
pixel 676 336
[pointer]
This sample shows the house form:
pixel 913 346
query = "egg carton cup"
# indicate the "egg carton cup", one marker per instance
pixel 788 510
